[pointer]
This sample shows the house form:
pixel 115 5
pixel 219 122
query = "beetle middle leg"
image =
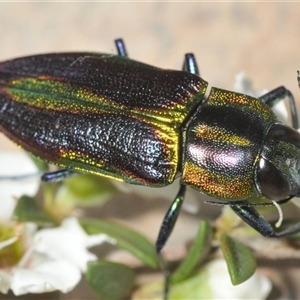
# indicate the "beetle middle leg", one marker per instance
pixel 278 94
pixel 250 215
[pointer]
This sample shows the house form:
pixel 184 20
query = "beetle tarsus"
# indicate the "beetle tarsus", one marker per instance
pixel 166 275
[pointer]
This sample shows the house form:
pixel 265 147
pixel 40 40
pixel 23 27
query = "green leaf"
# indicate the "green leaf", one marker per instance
pixel 195 287
pixel 28 210
pixel 85 190
pixel 239 258
pixel 211 281
pixel 109 280
pixel 125 238
pixel 196 254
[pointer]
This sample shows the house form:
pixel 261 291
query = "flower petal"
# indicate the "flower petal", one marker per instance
pixel 5 281
pixel 13 164
pixel 256 287
pixel 243 84
pixel 68 242
pixel 45 277
pixel 281 111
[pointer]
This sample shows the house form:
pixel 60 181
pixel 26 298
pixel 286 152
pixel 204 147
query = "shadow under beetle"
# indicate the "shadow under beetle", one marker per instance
pixel 112 116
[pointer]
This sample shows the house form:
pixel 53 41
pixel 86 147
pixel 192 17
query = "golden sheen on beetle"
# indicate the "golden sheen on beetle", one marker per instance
pixel 220 158
pixel 112 116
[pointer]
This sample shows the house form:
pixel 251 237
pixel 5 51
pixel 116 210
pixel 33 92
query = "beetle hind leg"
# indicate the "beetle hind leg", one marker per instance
pixel 250 215
pixel 276 95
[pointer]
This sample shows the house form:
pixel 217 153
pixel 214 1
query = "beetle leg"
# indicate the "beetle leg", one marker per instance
pixel 190 64
pixel 276 95
pixel 58 175
pixel 223 203
pixel 166 229
pixel 19 177
pixel 121 48
pixel 256 221
pixel 170 219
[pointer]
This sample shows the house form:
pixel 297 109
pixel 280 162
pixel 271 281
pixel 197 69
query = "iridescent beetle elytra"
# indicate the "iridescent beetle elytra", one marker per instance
pixel 116 117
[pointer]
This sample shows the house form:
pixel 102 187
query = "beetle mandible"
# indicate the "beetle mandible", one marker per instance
pixel 112 116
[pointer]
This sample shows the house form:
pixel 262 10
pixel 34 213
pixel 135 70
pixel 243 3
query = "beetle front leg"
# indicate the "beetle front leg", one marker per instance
pixel 256 221
pixel 276 95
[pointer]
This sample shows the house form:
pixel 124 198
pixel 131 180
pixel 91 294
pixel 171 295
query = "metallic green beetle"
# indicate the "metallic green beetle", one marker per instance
pixel 112 116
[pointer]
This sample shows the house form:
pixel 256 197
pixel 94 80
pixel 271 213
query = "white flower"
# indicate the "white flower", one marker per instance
pixel 243 85
pixel 13 164
pixel 69 241
pixel 256 287
pixel 44 277
pixel 56 259
pixel 213 282
pixel 53 258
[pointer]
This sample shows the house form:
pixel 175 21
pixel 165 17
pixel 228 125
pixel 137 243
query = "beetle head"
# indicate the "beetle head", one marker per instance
pixel 278 168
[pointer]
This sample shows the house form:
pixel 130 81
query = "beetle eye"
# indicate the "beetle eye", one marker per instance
pixel 271 181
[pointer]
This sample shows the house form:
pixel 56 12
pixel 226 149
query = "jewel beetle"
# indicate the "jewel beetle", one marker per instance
pixel 112 116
